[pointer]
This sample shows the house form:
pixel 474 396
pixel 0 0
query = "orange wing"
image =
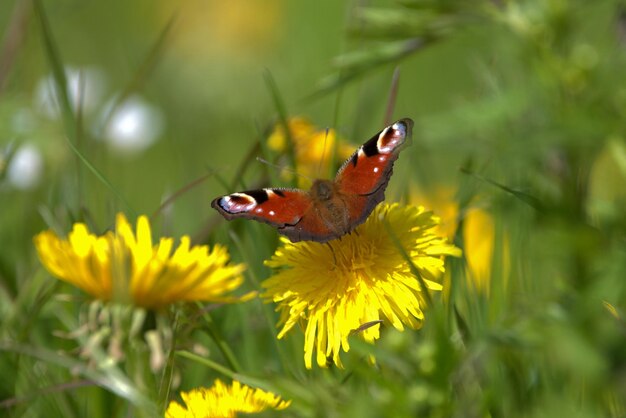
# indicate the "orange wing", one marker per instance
pixel 277 207
pixel 363 178
pixel 290 211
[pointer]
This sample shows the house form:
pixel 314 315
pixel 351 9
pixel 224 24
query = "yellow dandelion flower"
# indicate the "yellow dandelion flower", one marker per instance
pixel 124 266
pixel 311 146
pixel 337 287
pixel 222 401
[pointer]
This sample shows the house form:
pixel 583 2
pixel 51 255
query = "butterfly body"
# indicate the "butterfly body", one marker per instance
pixel 330 208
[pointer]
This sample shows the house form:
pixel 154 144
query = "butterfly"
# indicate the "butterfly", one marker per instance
pixel 331 208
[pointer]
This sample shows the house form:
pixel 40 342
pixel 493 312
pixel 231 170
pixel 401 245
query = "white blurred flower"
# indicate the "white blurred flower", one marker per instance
pixel 85 88
pixel 25 168
pixel 132 126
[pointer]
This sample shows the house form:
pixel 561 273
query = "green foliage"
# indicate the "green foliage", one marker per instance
pixel 520 108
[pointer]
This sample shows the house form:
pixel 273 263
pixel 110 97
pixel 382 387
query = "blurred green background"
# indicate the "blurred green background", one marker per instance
pixel 204 78
pixel 520 112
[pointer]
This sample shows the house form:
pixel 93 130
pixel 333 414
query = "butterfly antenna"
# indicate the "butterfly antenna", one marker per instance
pixel 289 170
pixel 393 95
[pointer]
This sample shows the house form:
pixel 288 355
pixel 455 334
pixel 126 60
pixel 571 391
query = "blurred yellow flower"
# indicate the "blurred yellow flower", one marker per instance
pixel 237 28
pixel 606 197
pixel 441 201
pixel 222 401
pixel 478 233
pixel 312 147
pixel 125 267
pixel 338 287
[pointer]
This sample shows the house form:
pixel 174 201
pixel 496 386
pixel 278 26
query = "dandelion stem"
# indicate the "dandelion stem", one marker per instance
pixel 221 343
pixel 266 312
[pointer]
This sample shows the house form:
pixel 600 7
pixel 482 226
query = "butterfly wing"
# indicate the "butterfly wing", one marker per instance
pixel 363 178
pixel 311 227
pixel 277 207
pixel 290 211
pixel 330 209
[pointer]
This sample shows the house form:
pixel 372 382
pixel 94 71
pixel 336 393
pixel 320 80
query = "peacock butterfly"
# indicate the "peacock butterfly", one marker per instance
pixel 331 208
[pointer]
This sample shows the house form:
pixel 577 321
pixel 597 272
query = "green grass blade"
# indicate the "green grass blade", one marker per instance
pixel 69 118
pixel 206 362
pixel 283 118
pixel 111 378
pixel 353 65
pixel 524 197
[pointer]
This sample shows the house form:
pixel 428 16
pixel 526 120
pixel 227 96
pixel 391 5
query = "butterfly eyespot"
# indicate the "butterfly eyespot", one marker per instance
pixel 392 137
pixel 237 202
pixel 376 169
pixel 272 213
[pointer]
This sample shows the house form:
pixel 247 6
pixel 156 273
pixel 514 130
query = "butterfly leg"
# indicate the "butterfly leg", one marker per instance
pixel 332 251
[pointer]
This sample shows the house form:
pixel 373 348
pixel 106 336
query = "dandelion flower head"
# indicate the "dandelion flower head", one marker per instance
pixel 335 288
pixel 124 266
pixel 223 401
